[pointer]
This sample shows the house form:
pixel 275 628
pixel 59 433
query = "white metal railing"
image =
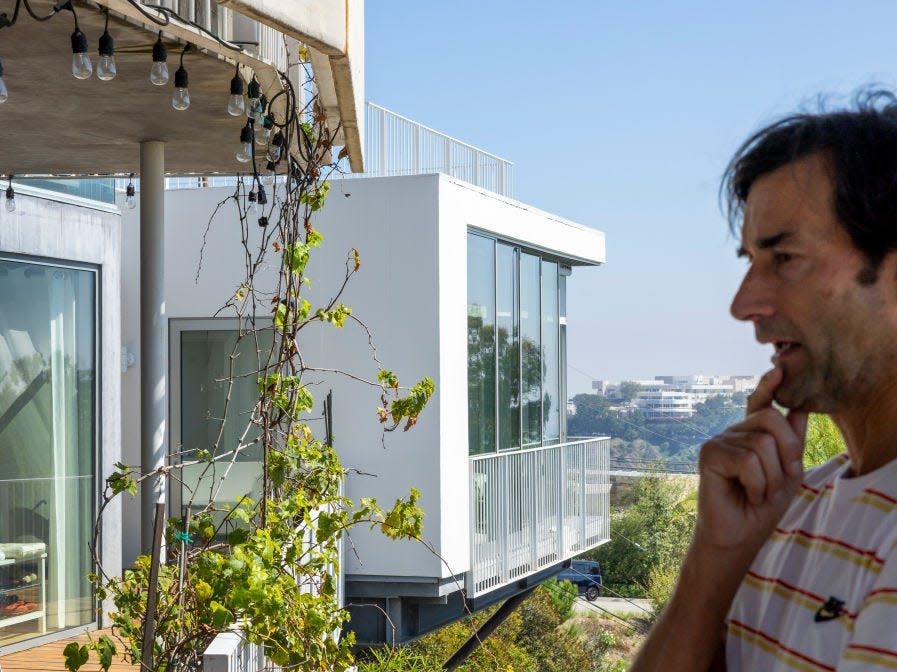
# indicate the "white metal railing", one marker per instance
pixel 396 145
pixel 534 508
pixel 233 27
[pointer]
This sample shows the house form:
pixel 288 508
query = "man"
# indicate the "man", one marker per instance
pixel 793 570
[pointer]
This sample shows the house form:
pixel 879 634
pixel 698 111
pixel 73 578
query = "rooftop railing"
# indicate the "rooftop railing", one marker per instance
pixel 531 509
pixel 396 145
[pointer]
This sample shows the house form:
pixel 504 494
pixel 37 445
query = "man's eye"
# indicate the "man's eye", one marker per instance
pixel 782 257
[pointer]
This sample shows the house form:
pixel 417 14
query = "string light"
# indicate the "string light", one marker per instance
pixel 235 104
pixel 159 71
pixel 106 69
pixel 180 99
pixel 10 196
pixel 81 65
pixel 275 147
pixel 261 137
pixel 4 94
pixel 131 193
pixel 244 152
pixel 255 105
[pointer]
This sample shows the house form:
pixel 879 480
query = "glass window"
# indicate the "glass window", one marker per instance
pixel 530 347
pixel 551 398
pixel 481 344
pixel 206 413
pixel 523 338
pixel 508 346
pixel 48 385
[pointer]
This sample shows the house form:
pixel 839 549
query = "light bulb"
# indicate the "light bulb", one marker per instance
pixel 159 71
pixel 235 104
pixel 131 195
pixel 264 133
pixel 4 94
pixel 106 69
pixel 81 65
pixel 180 99
pixel 255 106
pixel 255 109
pixel 10 199
pixel 244 152
pixel 274 147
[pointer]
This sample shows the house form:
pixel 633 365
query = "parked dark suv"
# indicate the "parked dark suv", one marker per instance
pixel 586 576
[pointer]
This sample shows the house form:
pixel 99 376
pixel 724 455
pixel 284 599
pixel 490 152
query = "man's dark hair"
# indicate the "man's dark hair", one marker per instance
pixel 860 147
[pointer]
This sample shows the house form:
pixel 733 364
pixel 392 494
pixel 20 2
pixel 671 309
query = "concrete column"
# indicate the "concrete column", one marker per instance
pixel 153 332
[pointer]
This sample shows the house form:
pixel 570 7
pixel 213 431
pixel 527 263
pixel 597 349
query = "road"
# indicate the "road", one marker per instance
pixel 616 605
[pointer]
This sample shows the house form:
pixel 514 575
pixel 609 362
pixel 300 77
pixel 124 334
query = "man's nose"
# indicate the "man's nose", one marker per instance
pixel 754 298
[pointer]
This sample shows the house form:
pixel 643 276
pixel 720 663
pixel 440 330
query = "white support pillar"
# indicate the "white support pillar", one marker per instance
pixel 153 332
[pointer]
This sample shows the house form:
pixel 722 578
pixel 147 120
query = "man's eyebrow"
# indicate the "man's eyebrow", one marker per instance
pixel 767 242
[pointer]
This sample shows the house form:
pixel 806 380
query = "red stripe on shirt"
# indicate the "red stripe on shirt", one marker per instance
pixel 873 649
pixel 771 640
pixel 796 589
pixel 881 495
pixel 832 540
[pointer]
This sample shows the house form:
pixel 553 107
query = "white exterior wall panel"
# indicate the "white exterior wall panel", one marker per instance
pixel 411 292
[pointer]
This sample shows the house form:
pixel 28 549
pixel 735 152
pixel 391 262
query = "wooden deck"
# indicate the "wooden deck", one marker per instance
pixel 48 658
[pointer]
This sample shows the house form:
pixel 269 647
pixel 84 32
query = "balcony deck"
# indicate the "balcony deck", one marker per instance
pixel 534 508
pixel 48 657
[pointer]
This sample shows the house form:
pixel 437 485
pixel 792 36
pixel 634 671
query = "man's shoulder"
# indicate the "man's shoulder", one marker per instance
pixel 825 473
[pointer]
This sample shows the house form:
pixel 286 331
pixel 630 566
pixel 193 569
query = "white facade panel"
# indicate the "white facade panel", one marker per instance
pixel 517 222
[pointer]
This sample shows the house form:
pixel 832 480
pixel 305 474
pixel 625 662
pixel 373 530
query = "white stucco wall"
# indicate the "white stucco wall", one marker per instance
pixel 56 226
pixel 411 292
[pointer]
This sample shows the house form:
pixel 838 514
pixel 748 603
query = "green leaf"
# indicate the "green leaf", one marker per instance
pixel 122 480
pixel 106 650
pixel 75 656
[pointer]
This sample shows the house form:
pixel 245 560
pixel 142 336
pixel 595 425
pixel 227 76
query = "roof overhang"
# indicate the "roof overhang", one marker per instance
pixel 334 30
pixel 56 124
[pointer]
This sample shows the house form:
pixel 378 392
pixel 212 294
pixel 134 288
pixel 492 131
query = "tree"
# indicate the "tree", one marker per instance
pixel 629 390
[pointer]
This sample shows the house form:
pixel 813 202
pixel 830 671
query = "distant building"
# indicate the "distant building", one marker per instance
pixel 676 397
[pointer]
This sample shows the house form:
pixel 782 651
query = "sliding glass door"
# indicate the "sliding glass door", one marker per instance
pixel 48 422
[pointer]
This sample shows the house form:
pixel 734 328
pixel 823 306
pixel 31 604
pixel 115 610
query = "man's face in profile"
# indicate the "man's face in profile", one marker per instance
pixel 833 337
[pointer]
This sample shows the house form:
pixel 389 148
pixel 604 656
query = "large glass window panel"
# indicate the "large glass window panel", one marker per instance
pixel 480 344
pixel 48 378
pixel 208 419
pixel 551 397
pixel 530 348
pixel 508 346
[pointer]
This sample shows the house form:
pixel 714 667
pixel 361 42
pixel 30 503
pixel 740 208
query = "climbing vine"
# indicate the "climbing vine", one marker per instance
pixel 266 565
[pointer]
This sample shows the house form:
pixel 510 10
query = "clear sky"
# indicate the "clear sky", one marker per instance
pixel 622 116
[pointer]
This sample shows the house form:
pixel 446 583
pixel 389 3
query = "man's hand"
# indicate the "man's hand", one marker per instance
pixel 749 474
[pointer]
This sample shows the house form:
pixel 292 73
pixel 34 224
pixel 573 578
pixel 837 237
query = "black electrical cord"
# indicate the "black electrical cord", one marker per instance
pixel 168 13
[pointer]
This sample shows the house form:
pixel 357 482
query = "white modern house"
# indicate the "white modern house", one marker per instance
pixel 459 283
pixel 108 351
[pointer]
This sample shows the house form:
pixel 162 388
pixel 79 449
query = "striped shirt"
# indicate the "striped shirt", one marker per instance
pixel 822 592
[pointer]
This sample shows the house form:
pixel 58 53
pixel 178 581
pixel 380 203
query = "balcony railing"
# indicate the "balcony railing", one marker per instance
pixel 396 145
pixel 531 509
pixel 232 27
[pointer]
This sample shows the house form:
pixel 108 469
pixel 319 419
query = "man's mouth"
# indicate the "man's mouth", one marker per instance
pixel 784 349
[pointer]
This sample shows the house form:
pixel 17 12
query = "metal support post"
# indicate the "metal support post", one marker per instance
pixel 486 629
pixel 153 332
